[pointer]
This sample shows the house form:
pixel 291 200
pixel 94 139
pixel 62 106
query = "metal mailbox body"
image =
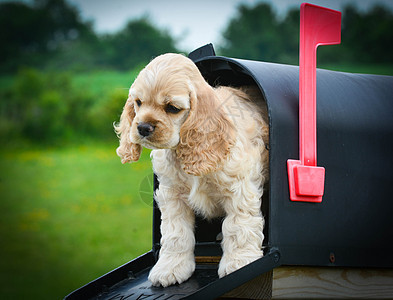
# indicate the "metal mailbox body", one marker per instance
pixel 353 226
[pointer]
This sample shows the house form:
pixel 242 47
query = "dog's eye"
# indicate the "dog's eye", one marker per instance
pixel 138 102
pixel 172 109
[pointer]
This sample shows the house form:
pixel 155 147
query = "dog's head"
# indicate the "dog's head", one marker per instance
pixel 170 106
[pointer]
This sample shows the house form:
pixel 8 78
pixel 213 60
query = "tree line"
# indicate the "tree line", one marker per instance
pixel 51 34
pixel 257 33
pixel 43 46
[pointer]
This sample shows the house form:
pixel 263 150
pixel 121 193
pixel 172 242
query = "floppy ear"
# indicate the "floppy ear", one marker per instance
pixel 207 135
pixel 127 150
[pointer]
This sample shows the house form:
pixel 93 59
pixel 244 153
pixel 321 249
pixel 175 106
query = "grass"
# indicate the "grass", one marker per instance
pixel 100 83
pixel 67 216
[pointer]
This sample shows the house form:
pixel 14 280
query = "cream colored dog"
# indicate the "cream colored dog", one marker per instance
pixel 210 158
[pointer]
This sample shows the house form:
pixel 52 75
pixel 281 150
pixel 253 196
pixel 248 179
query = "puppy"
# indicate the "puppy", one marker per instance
pixel 209 153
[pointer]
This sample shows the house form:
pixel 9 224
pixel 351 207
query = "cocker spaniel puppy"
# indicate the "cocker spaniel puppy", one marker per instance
pixel 210 158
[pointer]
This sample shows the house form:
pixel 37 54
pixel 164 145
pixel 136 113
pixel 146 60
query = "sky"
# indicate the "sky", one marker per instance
pixel 192 23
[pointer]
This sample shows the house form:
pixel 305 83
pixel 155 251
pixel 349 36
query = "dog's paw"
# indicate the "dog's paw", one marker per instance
pixel 172 269
pixel 231 263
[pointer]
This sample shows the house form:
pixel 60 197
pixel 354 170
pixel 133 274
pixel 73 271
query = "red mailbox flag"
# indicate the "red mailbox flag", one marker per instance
pixel 318 26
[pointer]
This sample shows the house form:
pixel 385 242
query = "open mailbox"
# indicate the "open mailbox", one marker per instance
pixel 355 145
pixel 351 227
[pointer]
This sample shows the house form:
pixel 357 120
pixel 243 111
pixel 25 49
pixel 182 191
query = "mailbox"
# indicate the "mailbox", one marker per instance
pixel 354 222
pixel 352 226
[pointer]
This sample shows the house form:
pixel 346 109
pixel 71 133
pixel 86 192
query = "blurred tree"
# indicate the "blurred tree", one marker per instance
pixel 62 23
pixel 369 35
pixel 72 42
pixel 255 33
pixel 289 35
pixel 30 35
pixel 18 33
pixel 43 107
pixel 137 44
pixel 50 34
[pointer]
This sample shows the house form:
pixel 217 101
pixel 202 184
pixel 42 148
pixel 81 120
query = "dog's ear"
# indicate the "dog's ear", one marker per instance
pixel 127 150
pixel 207 135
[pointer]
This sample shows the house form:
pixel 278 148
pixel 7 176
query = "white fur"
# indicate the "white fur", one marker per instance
pixel 210 159
pixel 235 191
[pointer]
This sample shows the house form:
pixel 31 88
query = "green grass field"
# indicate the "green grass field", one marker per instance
pixel 68 216
pixel 98 84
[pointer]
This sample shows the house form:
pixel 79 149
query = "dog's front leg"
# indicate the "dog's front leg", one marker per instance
pixel 176 261
pixel 242 231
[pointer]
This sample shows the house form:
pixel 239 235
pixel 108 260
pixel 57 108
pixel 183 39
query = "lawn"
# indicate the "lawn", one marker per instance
pixel 100 83
pixel 69 215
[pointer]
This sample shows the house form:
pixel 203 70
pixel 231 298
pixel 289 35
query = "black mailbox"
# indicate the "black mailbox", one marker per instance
pixel 352 226
pixel 354 222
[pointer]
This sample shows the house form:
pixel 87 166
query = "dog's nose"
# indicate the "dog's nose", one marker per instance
pixel 145 129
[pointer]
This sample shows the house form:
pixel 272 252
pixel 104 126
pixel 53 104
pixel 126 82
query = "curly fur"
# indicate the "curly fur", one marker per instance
pixel 207 135
pixel 128 151
pixel 210 158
